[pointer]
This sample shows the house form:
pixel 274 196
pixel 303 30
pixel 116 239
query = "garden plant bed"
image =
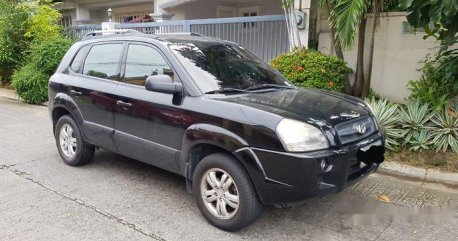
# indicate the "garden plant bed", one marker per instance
pixel 429 159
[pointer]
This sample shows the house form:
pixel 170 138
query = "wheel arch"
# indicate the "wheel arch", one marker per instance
pixel 201 140
pixel 64 105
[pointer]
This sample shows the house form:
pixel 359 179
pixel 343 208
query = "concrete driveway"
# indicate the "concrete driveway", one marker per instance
pixel 117 198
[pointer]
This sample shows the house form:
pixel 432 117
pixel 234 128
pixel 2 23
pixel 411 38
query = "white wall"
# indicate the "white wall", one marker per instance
pixel 396 55
pixel 203 9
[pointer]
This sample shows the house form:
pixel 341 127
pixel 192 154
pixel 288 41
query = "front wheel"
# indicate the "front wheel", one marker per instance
pixel 224 193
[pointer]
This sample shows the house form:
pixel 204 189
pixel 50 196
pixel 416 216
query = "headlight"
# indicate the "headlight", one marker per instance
pixel 377 127
pixel 300 137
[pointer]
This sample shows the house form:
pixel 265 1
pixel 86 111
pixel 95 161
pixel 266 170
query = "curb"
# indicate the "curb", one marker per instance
pixel 419 174
pixel 12 96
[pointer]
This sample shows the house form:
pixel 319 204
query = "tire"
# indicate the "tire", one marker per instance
pixel 80 152
pixel 249 207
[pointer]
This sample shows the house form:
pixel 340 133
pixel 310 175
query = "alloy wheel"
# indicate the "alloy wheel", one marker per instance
pixel 219 193
pixel 67 141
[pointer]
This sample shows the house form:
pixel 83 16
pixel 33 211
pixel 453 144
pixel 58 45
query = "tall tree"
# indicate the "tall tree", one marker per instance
pixel 376 9
pixel 350 17
pixel 439 18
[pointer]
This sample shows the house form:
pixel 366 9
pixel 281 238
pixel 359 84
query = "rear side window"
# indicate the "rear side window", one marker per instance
pixel 79 58
pixel 143 61
pixel 102 61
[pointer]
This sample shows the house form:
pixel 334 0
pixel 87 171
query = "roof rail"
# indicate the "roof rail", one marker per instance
pixel 181 33
pixel 114 31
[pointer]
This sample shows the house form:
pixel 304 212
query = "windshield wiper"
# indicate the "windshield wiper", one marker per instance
pixel 268 86
pixel 225 90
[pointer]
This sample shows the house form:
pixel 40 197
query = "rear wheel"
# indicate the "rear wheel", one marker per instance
pixel 224 193
pixel 72 148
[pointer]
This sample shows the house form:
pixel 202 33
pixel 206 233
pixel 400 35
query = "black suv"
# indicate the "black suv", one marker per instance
pixel 240 133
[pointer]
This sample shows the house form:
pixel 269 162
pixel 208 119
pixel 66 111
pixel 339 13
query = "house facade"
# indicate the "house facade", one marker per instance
pixel 399 49
pixel 204 9
pixel 81 12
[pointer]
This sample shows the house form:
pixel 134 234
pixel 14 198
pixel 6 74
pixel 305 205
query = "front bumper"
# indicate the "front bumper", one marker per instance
pixel 282 178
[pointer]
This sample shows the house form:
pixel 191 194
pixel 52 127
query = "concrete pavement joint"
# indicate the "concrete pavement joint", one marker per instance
pixel 32 160
pixel 82 203
pixel 380 234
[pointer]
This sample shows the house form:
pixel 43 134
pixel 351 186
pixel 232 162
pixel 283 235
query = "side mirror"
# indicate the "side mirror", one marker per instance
pixel 163 84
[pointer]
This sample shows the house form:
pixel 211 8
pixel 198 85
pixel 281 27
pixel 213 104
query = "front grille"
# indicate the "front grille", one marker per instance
pixel 355 130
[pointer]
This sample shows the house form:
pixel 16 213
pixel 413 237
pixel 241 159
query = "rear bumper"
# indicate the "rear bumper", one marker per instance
pixel 282 178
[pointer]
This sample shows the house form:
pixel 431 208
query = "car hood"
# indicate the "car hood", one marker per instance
pixel 313 106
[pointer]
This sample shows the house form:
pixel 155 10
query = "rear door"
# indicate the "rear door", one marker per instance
pixel 96 71
pixel 149 127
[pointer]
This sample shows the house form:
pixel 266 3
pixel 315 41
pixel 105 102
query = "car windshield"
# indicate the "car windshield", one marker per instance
pixel 218 67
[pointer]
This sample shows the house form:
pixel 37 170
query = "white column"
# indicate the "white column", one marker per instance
pixel 304 6
pixel 82 15
pixel 160 14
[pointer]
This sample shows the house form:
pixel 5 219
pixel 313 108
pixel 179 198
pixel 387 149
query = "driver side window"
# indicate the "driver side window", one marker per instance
pixel 143 61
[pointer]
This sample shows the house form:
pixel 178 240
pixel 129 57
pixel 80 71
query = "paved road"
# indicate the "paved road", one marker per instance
pixel 116 198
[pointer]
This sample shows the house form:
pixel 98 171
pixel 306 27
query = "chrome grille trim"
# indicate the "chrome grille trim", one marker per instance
pixel 355 130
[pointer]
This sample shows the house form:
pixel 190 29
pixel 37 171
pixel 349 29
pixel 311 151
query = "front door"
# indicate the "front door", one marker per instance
pixel 148 125
pixel 94 73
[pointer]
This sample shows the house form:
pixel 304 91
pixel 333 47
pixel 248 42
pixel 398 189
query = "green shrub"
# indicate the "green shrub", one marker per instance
pixel 312 69
pixel 31 80
pixel 13 42
pixel 31 84
pixel 43 23
pixel 22 24
pixel 47 55
pixel 428 92
pixel 439 82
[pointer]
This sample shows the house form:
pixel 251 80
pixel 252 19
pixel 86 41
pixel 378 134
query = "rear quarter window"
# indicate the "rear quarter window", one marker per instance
pixel 79 59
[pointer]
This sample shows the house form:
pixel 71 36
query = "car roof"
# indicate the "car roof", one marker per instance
pixel 164 38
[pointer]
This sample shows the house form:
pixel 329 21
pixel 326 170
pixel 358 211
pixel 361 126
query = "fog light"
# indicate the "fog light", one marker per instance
pixel 325 166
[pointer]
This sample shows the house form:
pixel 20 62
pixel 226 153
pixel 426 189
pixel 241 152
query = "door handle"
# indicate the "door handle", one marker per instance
pixel 123 104
pixel 76 92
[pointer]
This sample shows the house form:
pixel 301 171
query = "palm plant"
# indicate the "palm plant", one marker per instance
pixel 349 17
pixel 445 130
pixel 387 115
pixel 414 117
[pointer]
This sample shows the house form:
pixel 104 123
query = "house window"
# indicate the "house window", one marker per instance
pixel 66 21
pixel 133 17
pixel 226 12
pixel 249 12
pixel 409 29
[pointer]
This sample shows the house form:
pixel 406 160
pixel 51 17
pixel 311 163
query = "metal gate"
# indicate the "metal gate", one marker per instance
pixel 265 36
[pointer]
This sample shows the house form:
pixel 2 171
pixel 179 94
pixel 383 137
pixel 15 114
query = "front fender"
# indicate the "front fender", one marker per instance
pixel 224 139
pixel 208 134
